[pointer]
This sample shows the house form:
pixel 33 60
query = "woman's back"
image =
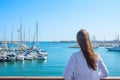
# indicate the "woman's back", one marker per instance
pixel 85 63
pixel 78 65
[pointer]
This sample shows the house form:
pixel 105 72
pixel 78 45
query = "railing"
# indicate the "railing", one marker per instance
pixel 44 78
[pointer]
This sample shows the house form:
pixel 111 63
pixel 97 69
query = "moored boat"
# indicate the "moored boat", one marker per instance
pixel 20 57
pixel 11 56
pixel 28 56
pixel 3 56
pixel 116 48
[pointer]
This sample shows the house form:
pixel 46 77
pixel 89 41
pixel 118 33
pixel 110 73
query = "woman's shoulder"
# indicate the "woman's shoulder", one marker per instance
pixel 77 53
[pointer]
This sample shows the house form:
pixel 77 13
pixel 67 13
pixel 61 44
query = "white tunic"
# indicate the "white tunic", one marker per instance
pixel 78 65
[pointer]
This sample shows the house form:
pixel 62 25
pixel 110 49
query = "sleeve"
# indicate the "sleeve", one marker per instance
pixel 103 69
pixel 69 68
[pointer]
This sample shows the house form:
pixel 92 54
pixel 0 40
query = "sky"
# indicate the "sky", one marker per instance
pixel 60 19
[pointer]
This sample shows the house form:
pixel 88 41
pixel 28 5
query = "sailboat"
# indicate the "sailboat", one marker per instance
pixel 11 55
pixel 28 56
pixel 38 54
pixel 115 47
pixel 4 49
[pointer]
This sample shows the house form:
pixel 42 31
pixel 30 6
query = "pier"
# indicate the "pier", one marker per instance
pixel 45 78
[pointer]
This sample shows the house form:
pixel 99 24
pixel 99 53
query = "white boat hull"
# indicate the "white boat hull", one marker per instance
pixel 20 57
pixel 114 48
pixel 28 57
pixel 41 57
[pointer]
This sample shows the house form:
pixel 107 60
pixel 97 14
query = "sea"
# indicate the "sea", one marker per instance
pixel 58 56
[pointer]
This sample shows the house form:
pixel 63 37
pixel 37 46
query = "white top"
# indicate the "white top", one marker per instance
pixel 77 65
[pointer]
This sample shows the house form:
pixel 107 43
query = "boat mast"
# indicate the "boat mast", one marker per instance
pixel 21 29
pixel 24 34
pixel 29 34
pixel 37 31
pixel 18 35
pixel 21 32
pixel 4 36
pixel 12 34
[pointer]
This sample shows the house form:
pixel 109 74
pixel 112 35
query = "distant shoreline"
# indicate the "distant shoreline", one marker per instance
pixel 95 43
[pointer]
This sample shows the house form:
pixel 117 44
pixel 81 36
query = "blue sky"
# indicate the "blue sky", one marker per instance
pixel 60 19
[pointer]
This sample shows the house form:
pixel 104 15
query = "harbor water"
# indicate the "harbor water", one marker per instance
pixel 58 56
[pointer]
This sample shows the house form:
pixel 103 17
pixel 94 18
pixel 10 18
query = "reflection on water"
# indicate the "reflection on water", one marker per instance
pixel 20 62
pixel 41 61
pixel 11 63
pixel 26 62
pixel 3 64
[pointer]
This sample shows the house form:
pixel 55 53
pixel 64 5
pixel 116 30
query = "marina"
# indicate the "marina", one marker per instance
pixel 20 50
pixel 56 61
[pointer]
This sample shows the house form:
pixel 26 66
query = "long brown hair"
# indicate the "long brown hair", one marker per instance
pixel 84 42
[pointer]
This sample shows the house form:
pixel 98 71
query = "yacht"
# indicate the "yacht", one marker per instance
pixel 20 57
pixel 115 48
pixel 42 55
pixel 11 56
pixel 28 56
pixel 3 56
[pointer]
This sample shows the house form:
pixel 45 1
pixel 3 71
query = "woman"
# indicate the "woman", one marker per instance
pixel 85 64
